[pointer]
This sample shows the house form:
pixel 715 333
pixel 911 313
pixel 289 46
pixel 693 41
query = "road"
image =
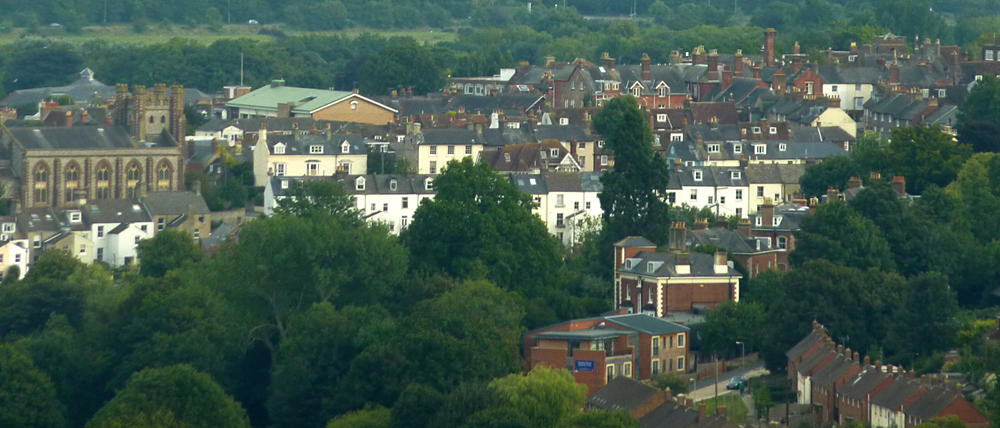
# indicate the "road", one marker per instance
pixel 705 388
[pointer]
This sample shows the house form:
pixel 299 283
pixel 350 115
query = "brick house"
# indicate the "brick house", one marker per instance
pixel 647 281
pixel 744 249
pixel 597 350
pixel 778 225
pixel 853 397
pixel 826 382
pixel 654 408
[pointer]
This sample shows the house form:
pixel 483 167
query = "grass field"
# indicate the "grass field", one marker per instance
pixel 736 410
pixel 157 33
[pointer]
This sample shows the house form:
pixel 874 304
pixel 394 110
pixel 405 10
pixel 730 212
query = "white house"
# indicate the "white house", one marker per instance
pixel 565 200
pixel 724 190
pixel 220 130
pixel 388 198
pixel 437 147
pixel 13 252
pixel 308 156
pixel 117 226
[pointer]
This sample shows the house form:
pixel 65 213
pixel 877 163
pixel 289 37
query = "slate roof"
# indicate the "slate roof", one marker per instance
pixel 820 134
pixel 81 137
pixel 450 137
pixel 114 211
pixel 674 76
pixel 32 219
pixel 833 371
pixel 863 383
pixel 813 360
pixel 375 184
pixel 304 100
pixel 505 136
pixel 701 265
pixel 669 415
pixel 563 133
pixel 793 150
pixel 712 176
pixel 511 104
pixel 563 181
pixel 896 393
pixel 622 393
pixel 591 182
pixel 774 173
pixel 738 91
pixel 84 89
pixel 789 215
pixel 174 203
pixel 274 124
pixel 724 112
pixel 331 146
pixel 834 74
pixel 946 115
pixel 635 241
pixel 804 345
pixel 648 324
pixel 931 403
pixel 532 184
pixel 730 240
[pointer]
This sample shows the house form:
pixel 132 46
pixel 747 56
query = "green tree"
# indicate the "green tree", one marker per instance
pixel 925 155
pixel 833 172
pixel 194 399
pixel 170 249
pixel 634 194
pixel 927 319
pixel 53 265
pixel 948 422
pixel 839 234
pixel 318 198
pixel 480 225
pixel 856 306
pixel 601 419
pixel 378 417
pixel 416 406
pixel 27 397
pixel 284 264
pixel 25 306
pixel 730 322
pixel 401 64
pixel 544 396
pixel 310 368
pixel 676 383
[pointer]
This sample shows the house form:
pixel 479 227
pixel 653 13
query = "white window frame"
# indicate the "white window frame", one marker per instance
pixel 316 149
pixel 279 149
pixel 739 195
pixel 773 130
pixel 713 148
pixel 698 175
pixel 735 175
pixel 661 118
pixel 760 149
pixel 359 184
pixel 782 147
pixel 737 148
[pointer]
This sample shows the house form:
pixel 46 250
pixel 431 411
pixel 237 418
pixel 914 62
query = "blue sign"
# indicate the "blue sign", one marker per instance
pixel 584 365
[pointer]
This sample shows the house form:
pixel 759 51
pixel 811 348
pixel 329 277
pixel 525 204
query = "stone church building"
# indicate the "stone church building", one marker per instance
pixel 143 151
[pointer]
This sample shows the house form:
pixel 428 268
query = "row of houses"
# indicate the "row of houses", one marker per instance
pixel 106 231
pixel 841 387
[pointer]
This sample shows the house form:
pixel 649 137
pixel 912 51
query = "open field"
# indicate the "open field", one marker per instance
pixel 158 33
pixel 736 410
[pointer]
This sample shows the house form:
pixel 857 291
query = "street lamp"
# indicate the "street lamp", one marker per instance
pixel 743 346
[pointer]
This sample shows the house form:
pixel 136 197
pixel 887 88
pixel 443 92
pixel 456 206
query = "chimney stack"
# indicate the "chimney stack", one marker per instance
pixel 868 360
pixel 713 65
pixel 745 227
pixel 894 74
pixel 678 236
pixel 721 263
pixel 796 50
pixel 84 116
pixel 700 223
pixel 738 63
pixel 702 410
pixel 767 213
pixel 854 183
pixel 857 356
pixel 727 77
pixel 608 62
pixel 769 47
pixel 69 118
pixel 647 73
pixel 779 82
pixel 549 59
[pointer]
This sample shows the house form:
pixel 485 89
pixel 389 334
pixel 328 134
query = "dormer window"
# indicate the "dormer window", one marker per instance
pixel 506 157
pixel 543 154
pixel 554 153
pixel 713 148
pixel 760 149
pixel 279 149
pixel 650 267
pixel 756 130
pixel 393 185
pixel 284 184
pixel 74 217
pixel 345 147
pixel 773 130
pixel 600 144
pixel 636 91
pixel 661 118
pixel 757 221
pixel 9 227
pixel 676 137
pixel 661 91
pixel 782 147
pixel 697 175
pixel 737 148
pixel 628 263
pixel 359 184
pixel 316 149
pixel 852 58
pixel 736 175
pixel 564 121
pixel 428 183
pixel 776 221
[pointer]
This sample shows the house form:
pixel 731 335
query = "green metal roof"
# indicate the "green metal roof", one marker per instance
pixel 648 324
pixel 303 100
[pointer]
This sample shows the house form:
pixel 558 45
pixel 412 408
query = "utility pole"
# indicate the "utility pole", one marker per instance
pixel 241 68
pixel 229 11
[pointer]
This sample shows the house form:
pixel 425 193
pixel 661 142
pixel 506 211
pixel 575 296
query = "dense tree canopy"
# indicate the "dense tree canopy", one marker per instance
pixel 27 397
pixel 480 225
pixel 169 249
pixel 839 234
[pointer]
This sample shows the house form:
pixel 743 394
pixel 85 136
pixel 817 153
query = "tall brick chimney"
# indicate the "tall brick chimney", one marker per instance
pixel 767 213
pixel 745 227
pixel 713 65
pixel 700 223
pixel 738 63
pixel 899 185
pixel 769 47
pixel 727 77
pixel 678 236
pixel 698 57
pixel 796 64
pixel 647 73
pixel 894 74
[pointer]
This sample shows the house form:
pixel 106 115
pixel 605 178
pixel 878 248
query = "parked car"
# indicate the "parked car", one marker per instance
pixel 253 22
pixel 55 25
pixel 737 383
